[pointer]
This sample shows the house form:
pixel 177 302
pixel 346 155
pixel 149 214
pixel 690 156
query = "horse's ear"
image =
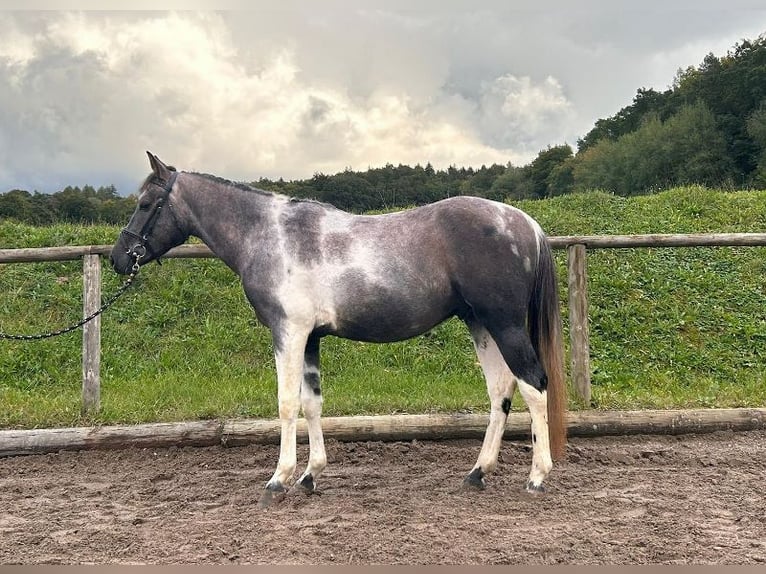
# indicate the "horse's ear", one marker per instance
pixel 161 171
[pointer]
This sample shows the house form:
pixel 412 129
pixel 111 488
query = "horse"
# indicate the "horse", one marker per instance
pixel 310 270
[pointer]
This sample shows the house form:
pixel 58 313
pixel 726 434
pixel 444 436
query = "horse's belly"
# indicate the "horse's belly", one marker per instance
pixel 389 318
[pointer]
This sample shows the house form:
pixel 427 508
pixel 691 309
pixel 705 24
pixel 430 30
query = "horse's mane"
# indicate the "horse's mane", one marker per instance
pixel 251 189
pixel 238 185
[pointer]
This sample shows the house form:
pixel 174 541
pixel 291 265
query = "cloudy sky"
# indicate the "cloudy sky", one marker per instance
pixel 290 88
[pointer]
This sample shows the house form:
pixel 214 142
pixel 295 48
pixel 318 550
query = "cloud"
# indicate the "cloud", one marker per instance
pixel 517 112
pixel 84 95
pixel 290 91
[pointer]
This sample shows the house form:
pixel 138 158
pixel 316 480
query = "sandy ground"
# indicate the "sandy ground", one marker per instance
pixel 638 499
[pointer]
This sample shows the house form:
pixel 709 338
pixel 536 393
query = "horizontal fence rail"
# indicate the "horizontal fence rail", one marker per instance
pixel 196 251
pixel 577 282
pixel 41 254
pixel 661 240
pixel 236 432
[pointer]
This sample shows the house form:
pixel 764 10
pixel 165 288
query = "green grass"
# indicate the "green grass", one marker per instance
pixel 670 328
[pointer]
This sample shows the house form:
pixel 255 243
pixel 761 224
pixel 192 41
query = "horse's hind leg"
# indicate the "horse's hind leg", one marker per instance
pixel 500 386
pixel 518 352
pixel 311 403
pixel 520 358
pixel 537 401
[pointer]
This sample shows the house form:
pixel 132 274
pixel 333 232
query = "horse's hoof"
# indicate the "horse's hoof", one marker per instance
pixel 306 485
pixel 271 494
pixel 475 480
pixel 535 489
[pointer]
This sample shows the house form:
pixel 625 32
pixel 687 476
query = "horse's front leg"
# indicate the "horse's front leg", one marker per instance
pixel 289 355
pixel 311 403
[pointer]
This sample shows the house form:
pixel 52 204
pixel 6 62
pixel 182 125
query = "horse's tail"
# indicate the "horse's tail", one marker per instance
pixel 545 332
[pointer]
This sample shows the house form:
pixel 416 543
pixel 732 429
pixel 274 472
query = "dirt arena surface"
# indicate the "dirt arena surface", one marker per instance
pixel 690 499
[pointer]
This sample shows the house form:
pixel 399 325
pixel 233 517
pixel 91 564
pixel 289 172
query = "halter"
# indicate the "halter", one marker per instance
pixel 139 250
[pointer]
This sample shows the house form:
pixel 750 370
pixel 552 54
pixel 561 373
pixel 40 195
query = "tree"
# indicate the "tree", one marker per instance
pixel 480 183
pixel 687 148
pixel 546 162
pixel 696 148
pixel 348 191
pixel 74 205
pixel 107 193
pixel 731 87
pixel 756 128
pixel 515 183
pixel 561 178
pixel 628 119
pixel 16 204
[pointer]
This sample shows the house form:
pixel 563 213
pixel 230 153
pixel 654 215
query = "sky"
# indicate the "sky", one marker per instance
pixel 291 88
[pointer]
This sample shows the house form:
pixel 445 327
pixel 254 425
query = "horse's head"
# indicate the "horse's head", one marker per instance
pixel 153 228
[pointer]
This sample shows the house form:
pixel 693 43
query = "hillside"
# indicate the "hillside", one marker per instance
pixel 669 327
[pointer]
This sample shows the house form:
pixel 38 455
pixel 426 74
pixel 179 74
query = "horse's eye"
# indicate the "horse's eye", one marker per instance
pixel 144 206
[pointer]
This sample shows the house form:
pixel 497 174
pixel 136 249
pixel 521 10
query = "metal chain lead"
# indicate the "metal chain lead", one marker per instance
pixel 104 307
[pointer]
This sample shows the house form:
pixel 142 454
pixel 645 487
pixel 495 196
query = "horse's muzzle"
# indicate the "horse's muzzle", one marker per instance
pixel 122 261
pixel 115 265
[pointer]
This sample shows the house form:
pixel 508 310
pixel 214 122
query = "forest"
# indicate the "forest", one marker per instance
pixel 708 128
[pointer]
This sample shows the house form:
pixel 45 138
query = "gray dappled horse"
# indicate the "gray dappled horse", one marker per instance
pixel 311 270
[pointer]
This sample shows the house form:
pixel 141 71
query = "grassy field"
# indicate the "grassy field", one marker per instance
pixel 670 328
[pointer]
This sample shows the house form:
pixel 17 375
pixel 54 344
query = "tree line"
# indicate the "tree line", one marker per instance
pixel 71 204
pixel 708 128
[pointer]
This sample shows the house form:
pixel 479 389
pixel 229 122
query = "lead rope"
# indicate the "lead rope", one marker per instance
pixel 104 307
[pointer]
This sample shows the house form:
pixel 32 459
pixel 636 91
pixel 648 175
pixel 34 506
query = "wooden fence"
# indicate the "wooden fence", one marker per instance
pixel 577 279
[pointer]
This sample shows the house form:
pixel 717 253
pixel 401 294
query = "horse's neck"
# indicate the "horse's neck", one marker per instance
pixel 228 219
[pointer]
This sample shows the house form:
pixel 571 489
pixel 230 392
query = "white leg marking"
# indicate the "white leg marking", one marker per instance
pixel 311 404
pixel 541 451
pixel 500 385
pixel 289 363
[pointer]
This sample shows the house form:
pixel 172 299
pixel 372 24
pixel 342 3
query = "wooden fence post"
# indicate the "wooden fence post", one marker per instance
pixel 578 320
pixel 91 335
